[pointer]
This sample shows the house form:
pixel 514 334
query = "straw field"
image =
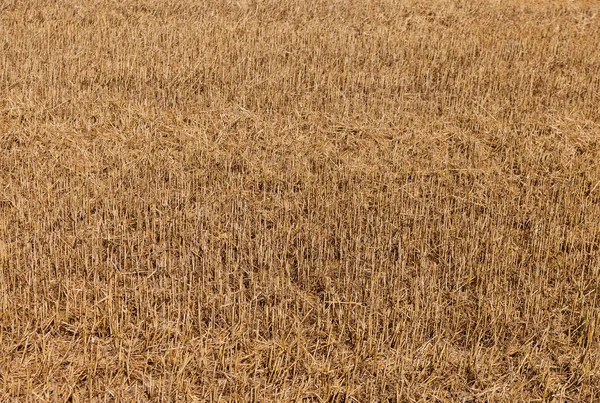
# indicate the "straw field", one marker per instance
pixel 299 201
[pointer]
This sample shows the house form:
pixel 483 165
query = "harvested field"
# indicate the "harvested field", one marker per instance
pixel 299 201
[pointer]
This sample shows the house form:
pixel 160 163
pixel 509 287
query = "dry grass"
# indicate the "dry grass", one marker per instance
pixel 309 201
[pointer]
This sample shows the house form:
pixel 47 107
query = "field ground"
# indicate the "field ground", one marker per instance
pixel 307 201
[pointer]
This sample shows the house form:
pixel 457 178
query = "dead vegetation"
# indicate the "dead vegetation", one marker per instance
pixel 309 201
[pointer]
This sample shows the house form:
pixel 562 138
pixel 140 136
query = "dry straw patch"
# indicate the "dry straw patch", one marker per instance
pixel 301 201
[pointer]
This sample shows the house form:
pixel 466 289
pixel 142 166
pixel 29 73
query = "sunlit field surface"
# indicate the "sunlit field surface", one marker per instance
pixel 299 201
